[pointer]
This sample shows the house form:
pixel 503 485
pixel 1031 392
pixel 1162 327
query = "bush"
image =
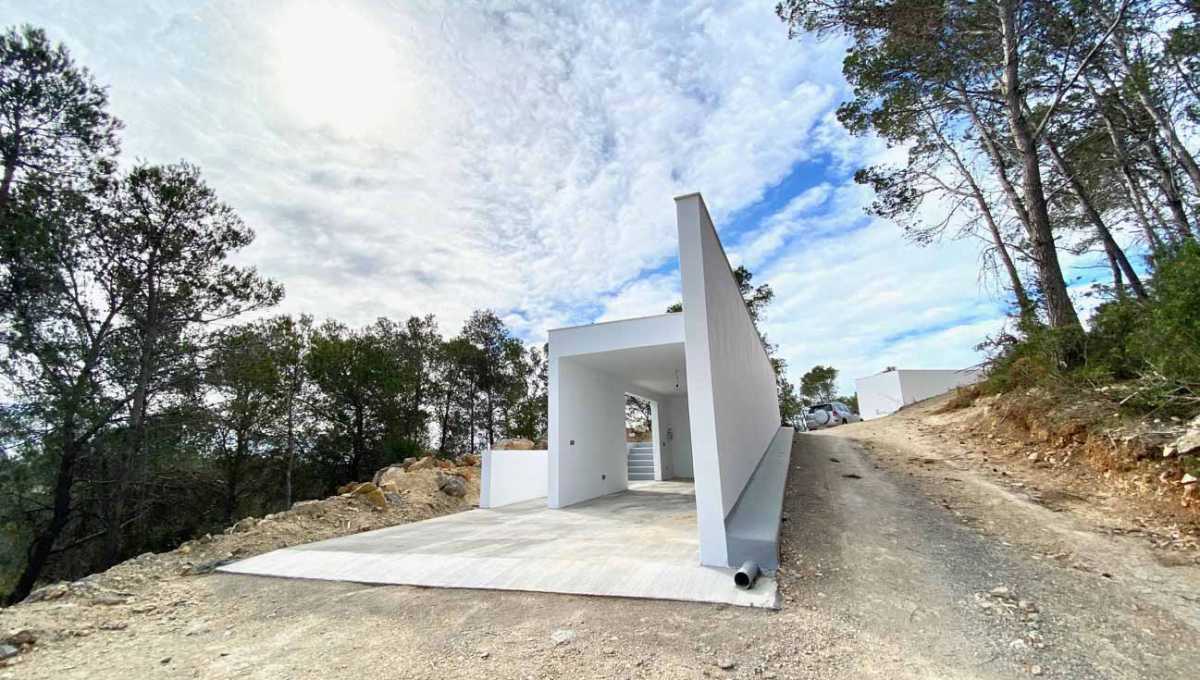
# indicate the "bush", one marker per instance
pixel 1155 342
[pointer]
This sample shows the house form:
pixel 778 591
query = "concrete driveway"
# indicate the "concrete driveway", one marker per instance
pixel 641 543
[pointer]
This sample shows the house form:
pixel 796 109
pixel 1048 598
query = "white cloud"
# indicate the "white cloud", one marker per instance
pixel 429 157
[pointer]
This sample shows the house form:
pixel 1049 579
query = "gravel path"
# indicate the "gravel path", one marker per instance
pixel 891 570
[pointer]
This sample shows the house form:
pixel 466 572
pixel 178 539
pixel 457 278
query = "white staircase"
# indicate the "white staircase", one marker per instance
pixel 641 461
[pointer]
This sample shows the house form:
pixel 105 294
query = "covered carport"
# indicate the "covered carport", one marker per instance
pixel 592 368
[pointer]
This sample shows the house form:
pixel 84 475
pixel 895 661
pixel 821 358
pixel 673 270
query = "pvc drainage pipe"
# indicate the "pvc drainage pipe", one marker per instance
pixel 746 575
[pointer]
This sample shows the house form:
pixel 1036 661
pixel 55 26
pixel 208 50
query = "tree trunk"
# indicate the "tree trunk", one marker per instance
pixel 43 546
pixel 1024 305
pixel 1167 129
pixel 1171 193
pixel 1110 244
pixel 1059 308
pixel 358 443
pixel 10 171
pixel 1118 284
pixel 291 452
pixel 1127 174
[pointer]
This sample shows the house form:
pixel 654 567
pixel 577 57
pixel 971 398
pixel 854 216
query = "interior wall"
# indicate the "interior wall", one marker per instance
pixel 733 405
pixel 587 427
pixel 679 445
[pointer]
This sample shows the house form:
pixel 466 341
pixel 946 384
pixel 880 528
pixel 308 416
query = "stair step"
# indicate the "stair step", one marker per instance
pixel 641 456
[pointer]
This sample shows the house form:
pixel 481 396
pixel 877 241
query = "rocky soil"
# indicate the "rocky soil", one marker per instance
pixel 159 588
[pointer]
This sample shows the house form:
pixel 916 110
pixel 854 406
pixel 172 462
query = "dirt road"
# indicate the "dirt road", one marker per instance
pixel 897 564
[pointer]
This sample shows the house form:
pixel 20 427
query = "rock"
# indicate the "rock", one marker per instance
pixel 372 493
pixel 1033 457
pixel 242 526
pixel 8 651
pixel 514 444
pixel 347 488
pixel 426 462
pixel 562 636
pixel 484 655
pixel 1186 444
pixel 392 474
pixel 469 460
pixel 113 625
pixel 393 498
pixel 725 664
pixel 1035 670
pixel 452 485
pixel 109 600
pixel 1001 592
pixel 1027 606
pixel 308 508
pixel 408 461
pixel 21 637
pixel 50 592
pixel 1188 478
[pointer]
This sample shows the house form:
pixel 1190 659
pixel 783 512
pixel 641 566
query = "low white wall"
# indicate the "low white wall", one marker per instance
pixel 512 477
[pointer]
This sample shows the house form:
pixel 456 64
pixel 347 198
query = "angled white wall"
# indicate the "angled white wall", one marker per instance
pixel 732 401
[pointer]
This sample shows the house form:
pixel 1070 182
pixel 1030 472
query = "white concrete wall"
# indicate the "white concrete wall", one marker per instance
pixel 916 385
pixel 733 406
pixel 884 393
pixel 879 394
pixel 679 446
pixel 587 432
pixel 512 477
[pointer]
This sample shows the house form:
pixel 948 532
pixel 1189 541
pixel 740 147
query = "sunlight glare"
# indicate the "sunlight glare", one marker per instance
pixel 335 68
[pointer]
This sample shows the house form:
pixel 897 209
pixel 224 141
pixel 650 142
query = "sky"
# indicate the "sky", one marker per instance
pixel 407 157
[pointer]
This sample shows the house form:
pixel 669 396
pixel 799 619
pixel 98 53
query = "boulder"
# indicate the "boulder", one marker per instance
pixel 8 651
pixel 443 463
pixel 452 485
pixel 426 462
pixel 515 444
pixel 391 474
pixel 393 498
pixel 347 488
pixel 373 495
pixel 469 460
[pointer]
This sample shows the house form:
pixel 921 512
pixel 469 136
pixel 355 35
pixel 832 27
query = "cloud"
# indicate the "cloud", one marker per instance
pixel 437 157
pixel 413 157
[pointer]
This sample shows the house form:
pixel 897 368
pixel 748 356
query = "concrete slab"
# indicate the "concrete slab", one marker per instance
pixel 641 543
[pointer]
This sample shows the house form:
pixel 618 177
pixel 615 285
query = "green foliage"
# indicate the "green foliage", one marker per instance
pixel 817 385
pixel 1152 345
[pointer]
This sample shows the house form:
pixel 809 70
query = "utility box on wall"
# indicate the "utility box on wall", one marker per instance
pixel 884 393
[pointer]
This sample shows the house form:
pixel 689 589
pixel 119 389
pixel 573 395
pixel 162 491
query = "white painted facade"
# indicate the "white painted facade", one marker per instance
pixel 884 393
pixel 512 477
pixel 706 373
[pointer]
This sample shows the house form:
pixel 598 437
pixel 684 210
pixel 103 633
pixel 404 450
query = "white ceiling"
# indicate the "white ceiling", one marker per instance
pixel 658 368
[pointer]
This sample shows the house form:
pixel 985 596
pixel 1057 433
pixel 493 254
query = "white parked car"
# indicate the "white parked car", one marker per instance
pixel 829 415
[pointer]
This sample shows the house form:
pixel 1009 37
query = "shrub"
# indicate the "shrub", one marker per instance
pixel 1155 342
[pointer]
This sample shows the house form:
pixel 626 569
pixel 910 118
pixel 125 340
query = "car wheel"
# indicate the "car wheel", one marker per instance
pixel 844 421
